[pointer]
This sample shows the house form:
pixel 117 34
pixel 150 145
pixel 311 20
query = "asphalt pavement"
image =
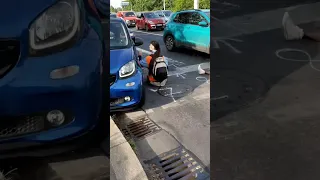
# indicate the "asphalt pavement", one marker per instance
pixel 83 164
pixel 182 106
pixel 266 101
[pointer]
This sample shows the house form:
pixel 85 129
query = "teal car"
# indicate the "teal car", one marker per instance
pixel 188 29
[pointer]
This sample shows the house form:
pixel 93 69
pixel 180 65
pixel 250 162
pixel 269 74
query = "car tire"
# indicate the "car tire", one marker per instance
pixel 147 28
pixel 170 43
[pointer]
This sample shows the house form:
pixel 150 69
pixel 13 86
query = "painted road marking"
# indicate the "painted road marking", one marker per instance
pixel 147 33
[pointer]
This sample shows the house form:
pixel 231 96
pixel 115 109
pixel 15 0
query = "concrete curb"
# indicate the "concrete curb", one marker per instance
pixel 123 160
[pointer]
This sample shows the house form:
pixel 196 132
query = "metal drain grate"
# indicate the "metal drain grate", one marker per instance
pixel 177 164
pixel 141 128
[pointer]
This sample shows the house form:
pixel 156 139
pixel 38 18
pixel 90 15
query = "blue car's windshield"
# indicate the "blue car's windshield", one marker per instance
pixel 119 37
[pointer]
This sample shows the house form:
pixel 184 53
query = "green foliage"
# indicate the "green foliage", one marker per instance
pixel 152 5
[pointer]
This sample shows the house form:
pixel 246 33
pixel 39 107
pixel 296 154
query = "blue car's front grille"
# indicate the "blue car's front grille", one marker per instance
pixel 9 55
pixel 112 79
pixel 13 127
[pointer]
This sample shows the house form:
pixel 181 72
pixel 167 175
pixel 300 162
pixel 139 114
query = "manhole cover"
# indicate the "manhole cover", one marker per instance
pixel 141 128
pixel 235 89
pixel 177 164
pixel 175 90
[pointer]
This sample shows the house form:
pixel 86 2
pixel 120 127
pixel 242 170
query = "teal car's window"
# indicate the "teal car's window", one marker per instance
pixel 118 36
pixel 208 13
pixel 182 18
pixel 195 18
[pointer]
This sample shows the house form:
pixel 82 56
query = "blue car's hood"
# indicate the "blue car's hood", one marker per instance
pixel 120 57
pixel 16 15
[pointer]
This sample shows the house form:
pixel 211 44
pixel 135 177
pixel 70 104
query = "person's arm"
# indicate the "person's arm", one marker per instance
pixel 145 61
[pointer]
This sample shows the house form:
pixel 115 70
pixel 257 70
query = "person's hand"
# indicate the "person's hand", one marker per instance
pixel 140 53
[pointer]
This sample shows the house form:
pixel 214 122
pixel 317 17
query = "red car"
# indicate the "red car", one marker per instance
pixel 128 16
pixel 149 21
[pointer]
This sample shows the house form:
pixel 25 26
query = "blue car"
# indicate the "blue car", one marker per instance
pixel 50 76
pixel 126 89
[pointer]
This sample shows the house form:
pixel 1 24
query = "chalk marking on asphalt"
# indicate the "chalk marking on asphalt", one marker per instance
pixel 147 33
pixel 202 96
pixel 181 71
pixel 187 69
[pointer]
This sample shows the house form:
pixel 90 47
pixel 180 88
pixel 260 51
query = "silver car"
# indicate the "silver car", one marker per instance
pixel 165 14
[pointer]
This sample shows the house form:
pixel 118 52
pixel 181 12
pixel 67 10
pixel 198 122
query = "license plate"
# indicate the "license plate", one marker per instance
pixel 159 24
pixel 133 23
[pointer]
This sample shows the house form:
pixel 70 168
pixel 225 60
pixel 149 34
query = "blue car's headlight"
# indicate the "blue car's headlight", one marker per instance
pixel 128 69
pixel 57 25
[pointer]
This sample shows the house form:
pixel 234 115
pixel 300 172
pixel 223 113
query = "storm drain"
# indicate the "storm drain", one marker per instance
pixel 141 128
pixel 177 164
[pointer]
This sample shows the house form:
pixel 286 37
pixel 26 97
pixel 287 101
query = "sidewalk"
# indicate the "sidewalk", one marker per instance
pixel 123 160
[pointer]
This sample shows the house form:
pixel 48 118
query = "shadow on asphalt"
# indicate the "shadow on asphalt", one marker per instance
pixel 226 9
pixel 248 76
pixel 269 140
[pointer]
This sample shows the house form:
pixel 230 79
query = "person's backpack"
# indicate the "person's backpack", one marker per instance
pixel 160 69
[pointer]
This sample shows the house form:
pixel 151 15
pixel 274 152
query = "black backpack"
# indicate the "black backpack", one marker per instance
pixel 159 69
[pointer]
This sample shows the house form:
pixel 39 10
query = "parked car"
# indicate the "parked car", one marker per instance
pixel 149 21
pixel 126 89
pixel 50 78
pixel 165 14
pixel 128 16
pixel 188 29
pixel 113 15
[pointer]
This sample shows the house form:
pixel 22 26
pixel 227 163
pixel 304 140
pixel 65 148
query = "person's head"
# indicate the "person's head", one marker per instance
pixel 154 46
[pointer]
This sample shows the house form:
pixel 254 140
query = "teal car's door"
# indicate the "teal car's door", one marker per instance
pixel 177 27
pixel 197 36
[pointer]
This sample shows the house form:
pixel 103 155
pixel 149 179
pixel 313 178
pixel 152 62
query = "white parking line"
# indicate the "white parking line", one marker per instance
pixel 147 33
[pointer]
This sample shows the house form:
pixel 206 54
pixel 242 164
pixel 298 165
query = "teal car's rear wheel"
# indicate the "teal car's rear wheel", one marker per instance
pixel 170 43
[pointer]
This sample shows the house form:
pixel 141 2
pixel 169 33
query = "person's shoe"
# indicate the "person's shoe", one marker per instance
pixel 290 30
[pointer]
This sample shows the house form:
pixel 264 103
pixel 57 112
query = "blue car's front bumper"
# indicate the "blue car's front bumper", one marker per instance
pixel 28 94
pixel 123 88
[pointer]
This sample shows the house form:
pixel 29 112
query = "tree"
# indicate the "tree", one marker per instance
pixel 174 5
